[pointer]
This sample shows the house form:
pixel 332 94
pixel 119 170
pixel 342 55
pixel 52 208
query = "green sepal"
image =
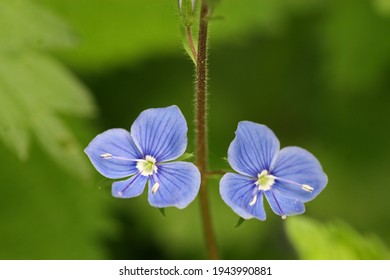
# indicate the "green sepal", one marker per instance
pixel 239 222
pixel 186 157
pixel 162 211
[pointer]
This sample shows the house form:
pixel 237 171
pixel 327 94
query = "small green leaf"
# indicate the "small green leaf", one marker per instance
pixel 336 240
pixel 239 222
pixel 212 4
pixel 186 42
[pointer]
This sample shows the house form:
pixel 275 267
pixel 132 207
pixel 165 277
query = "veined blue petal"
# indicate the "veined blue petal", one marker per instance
pixel 161 133
pixel 178 185
pixel 238 192
pixel 298 165
pixel 253 150
pixel 131 187
pixel 283 206
pixel 118 143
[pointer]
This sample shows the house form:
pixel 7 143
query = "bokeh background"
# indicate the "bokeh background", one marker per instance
pixel 315 71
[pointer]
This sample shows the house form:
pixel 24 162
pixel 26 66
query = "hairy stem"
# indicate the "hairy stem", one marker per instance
pixel 201 131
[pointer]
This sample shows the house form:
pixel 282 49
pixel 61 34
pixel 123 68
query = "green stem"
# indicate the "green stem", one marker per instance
pixel 201 131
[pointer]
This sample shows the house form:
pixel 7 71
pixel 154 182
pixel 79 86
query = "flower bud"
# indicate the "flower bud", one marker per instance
pixel 187 11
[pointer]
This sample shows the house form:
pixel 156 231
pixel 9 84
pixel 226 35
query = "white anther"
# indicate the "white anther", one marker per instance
pixel 106 155
pixel 253 201
pixel 284 217
pixel 155 188
pixel 307 188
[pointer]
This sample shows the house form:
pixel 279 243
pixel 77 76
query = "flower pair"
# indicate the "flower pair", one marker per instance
pixel 287 178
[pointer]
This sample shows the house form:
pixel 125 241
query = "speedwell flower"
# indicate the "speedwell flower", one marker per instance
pixel 157 137
pixel 287 178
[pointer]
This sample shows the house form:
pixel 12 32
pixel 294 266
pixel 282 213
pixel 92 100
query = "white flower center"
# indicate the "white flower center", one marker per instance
pixel 147 166
pixel 264 181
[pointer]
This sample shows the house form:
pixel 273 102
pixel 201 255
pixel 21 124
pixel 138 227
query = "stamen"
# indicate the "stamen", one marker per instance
pixel 106 155
pixel 263 173
pixel 253 201
pixel 307 188
pixel 111 156
pixel 155 188
pixel 156 185
pixel 284 217
pixel 304 187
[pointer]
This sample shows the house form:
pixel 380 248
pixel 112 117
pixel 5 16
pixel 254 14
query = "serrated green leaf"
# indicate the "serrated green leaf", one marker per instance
pixel 24 24
pixel 13 130
pixel 336 240
pixel 42 84
pixel 36 89
pixel 60 143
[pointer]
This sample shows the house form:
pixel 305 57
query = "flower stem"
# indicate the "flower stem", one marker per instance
pixel 201 131
pixel 191 42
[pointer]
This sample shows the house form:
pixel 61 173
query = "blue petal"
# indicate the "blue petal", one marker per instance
pixel 237 191
pixel 131 187
pixel 179 184
pixel 161 133
pixel 253 150
pixel 298 165
pixel 282 205
pixel 117 142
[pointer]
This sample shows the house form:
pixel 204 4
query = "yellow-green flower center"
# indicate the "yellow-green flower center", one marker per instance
pixel 264 181
pixel 147 166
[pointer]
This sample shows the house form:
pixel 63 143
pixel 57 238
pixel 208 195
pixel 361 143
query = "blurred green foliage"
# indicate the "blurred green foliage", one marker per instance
pixel 31 81
pixel 334 241
pixel 314 71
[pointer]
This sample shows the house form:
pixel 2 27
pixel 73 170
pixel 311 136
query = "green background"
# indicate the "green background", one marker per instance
pixel 315 71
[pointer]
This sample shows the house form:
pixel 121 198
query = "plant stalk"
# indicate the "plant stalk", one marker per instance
pixel 201 131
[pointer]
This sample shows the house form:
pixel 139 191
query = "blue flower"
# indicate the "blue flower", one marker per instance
pixel 157 137
pixel 287 178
